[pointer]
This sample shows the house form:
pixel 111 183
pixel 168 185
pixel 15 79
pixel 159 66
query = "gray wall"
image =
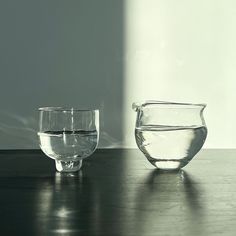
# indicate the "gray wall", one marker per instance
pixel 60 53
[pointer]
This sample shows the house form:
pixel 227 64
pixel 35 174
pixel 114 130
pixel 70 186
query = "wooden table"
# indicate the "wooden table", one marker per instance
pixel 117 192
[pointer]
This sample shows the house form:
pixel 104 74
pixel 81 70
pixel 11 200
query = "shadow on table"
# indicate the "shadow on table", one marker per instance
pixel 65 204
pixel 167 201
pixel 72 204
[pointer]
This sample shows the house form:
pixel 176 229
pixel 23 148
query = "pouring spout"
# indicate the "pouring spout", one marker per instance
pixel 136 106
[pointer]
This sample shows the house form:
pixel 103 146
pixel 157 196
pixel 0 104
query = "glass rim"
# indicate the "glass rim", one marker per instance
pixel 156 102
pixel 66 109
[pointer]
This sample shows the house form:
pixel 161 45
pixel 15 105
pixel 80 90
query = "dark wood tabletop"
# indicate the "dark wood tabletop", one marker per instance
pixel 117 192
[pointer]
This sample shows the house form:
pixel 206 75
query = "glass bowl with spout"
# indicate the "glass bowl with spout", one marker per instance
pixel 169 134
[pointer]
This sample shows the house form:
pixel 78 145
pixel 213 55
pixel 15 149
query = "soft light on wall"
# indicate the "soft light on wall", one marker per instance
pixel 183 51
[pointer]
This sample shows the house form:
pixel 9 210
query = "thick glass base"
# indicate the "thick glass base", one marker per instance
pixel 68 166
pixel 168 164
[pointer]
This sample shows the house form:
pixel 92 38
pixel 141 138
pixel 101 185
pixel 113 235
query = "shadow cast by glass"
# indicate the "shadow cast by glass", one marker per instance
pixel 65 204
pixel 169 198
pixel 79 202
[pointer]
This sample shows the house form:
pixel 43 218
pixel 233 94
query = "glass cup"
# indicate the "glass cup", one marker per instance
pixel 68 135
pixel 169 134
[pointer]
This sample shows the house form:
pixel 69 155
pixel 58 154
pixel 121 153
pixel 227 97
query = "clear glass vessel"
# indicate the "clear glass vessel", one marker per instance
pixel 68 135
pixel 169 134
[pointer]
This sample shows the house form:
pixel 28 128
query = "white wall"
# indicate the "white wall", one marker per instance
pixel 183 51
pixel 109 53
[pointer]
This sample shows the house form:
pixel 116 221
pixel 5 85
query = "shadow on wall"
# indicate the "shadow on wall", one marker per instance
pixel 17 132
pixel 60 53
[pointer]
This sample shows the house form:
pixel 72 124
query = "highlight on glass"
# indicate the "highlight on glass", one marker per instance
pixel 68 135
pixel 169 134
